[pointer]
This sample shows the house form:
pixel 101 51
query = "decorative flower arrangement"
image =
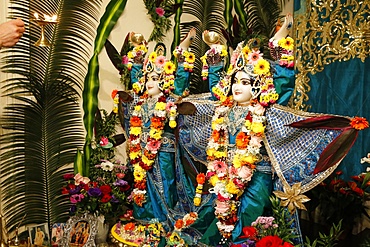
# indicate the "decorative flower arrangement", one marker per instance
pixel 229 181
pixel 213 56
pixel 142 159
pixel 273 231
pixel 159 12
pixel 135 56
pixel 163 67
pixel 176 238
pixel 282 50
pixel 339 199
pixel 141 235
pixel 105 193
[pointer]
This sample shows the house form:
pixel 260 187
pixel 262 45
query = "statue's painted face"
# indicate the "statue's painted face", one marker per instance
pixel 152 84
pixel 241 88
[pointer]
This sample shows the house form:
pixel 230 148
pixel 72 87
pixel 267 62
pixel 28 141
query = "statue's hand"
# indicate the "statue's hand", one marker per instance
pixel 286 28
pixel 189 38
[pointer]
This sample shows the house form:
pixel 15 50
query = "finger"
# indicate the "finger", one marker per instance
pixel 18 22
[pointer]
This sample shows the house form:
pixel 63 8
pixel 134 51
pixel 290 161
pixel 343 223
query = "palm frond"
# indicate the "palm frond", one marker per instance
pixel 209 16
pixel 43 126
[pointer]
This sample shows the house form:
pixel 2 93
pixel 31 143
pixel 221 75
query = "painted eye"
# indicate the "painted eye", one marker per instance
pixel 245 82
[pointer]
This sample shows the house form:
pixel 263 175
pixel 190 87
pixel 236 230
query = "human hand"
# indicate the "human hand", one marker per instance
pixel 286 28
pixel 11 32
pixel 189 38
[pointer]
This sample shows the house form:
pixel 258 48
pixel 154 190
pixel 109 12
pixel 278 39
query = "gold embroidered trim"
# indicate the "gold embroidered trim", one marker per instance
pixel 329 31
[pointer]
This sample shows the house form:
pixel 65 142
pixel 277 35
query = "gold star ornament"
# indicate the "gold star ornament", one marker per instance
pixel 292 197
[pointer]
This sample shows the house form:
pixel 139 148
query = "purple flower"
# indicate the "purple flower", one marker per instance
pixel 94 192
pixel 114 199
pixel 75 191
pixel 73 209
pixel 160 11
pixel 120 183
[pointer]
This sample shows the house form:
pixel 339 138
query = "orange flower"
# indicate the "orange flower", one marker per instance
pixel 189 222
pixel 201 178
pixel 114 93
pixel 242 140
pixel 216 135
pixel 135 121
pixel 179 223
pixel 359 123
pixel 130 226
pixel 157 123
pixel 139 199
pixel 192 214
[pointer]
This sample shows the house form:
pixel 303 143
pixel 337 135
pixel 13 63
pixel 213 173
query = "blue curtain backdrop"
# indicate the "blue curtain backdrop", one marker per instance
pixel 338 87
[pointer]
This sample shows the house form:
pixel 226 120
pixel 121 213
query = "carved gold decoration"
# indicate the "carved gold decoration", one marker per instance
pixel 292 197
pixel 328 32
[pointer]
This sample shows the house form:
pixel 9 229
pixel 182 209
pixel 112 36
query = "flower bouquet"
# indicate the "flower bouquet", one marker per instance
pixel 106 193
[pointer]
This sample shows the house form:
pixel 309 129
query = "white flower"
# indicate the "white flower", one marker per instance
pixel 107 166
pixel 366 159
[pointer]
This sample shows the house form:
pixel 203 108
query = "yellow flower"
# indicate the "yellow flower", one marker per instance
pixel 153 56
pixel 223 52
pixel 197 201
pixel 262 67
pixel 213 180
pixel 139 175
pixel 147 161
pixel 219 154
pixel 203 59
pixel 286 43
pixel 134 155
pixel 174 237
pixel 160 106
pixel 173 124
pixel 169 67
pixel 137 108
pixel 136 87
pixel 232 188
pixel 173 112
pixel 246 50
pixel 142 48
pixel 211 151
pixel 135 131
pixel 248 124
pixel 249 159
pixel 219 120
pixel 257 127
pixel 155 134
pixel 140 228
pixel 237 161
pixel 130 54
pixel 190 58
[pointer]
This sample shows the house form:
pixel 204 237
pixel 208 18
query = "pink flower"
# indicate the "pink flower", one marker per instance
pixel 153 145
pixel 258 109
pixel 255 141
pixel 253 57
pixel 219 166
pixel 245 173
pixel 160 11
pixel 290 64
pixel 169 105
pixel 80 179
pixel 233 171
pixel 120 175
pixel 125 59
pixel 103 141
pixel 159 62
pixel 221 207
pixel 76 198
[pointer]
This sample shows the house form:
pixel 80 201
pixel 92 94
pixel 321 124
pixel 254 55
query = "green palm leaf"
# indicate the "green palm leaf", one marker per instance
pixel 43 127
pixel 209 16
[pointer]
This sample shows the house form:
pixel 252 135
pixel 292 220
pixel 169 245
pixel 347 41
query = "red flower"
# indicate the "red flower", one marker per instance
pixel 270 241
pixel 286 244
pixel 68 176
pixel 65 191
pixel 105 189
pixel 201 178
pixel 106 198
pixel 249 232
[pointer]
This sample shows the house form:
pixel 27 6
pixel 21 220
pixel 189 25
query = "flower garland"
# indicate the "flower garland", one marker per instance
pixel 143 160
pixel 213 56
pixel 229 181
pixel 136 55
pixel 186 57
pixel 282 51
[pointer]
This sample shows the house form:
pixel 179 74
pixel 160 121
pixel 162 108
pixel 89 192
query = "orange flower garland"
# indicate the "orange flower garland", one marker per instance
pixel 230 181
pixel 143 160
